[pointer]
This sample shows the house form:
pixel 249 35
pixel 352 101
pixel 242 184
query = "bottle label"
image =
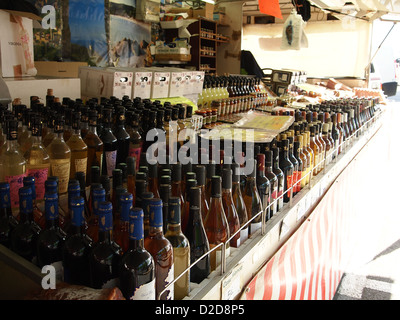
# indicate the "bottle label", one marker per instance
pixel 61 169
pixel 170 277
pixel 40 178
pixel 81 165
pixel 289 184
pixel 111 158
pixel 146 291
pixel 274 196
pixel 135 153
pixel 16 182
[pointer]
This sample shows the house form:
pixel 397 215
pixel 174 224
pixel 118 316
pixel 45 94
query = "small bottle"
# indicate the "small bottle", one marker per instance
pixel 137 272
pixel 121 228
pixel 109 144
pixel 181 248
pixel 7 221
pixel 216 224
pixel 105 256
pixel 77 247
pixel 25 234
pixel 60 157
pixel 239 202
pixel 161 250
pixel 79 149
pixel 198 242
pixel 51 238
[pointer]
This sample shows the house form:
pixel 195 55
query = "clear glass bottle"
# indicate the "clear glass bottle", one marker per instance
pixel 60 157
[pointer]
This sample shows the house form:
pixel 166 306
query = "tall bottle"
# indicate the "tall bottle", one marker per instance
pixel 105 256
pixel 7 221
pixel 273 181
pixel 329 145
pixel 197 238
pixel 51 238
pixel 161 250
pixel 200 171
pixel 12 163
pixel 38 215
pixel 60 157
pixel 99 196
pixel 263 185
pixel 37 159
pixel 181 248
pixel 77 247
pixel 216 224
pixel 252 200
pixel 304 159
pixel 287 169
pixel 121 228
pixel 135 143
pixel 316 150
pixel 239 202
pixel 300 166
pixel 137 271
pixel 79 149
pixel 109 143
pixel 229 207
pixel 296 165
pixel 123 138
pixel 25 234
pixel 94 147
pixel 280 176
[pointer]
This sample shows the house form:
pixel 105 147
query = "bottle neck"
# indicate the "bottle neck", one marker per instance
pixel 136 244
pixel 93 129
pixel 105 236
pixel 12 145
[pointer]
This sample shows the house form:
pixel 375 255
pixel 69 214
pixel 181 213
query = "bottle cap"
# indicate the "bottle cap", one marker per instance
pixel 50 186
pixel 195 196
pixel 176 172
pixel 123 167
pixel 77 213
pixel 200 171
pixel 117 177
pixel 216 186
pixel 226 178
pixel 152 170
pixel 95 174
pixel 155 213
pixel 105 216
pixel 51 206
pixel 235 172
pixel 174 210
pixel 131 166
pixel 136 224
pixel 190 175
pixel 105 181
pixel 165 180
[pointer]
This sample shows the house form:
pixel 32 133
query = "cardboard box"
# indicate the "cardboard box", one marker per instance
pixel 13 51
pixel 196 82
pixel 160 83
pixel 59 69
pixel 104 82
pixel 141 81
pixel 220 18
pixel 207 11
pixel 177 85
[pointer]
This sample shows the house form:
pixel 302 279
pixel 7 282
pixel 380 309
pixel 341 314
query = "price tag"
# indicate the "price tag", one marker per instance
pixel 231 285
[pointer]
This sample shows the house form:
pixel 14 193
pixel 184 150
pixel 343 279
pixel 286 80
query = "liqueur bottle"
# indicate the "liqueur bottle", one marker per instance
pixel 316 150
pixel 239 202
pixel 200 171
pixel 79 149
pixel 198 241
pixel 146 199
pixel 287 169
pixel 38 215
pixel 329 145
pixel 252 200
pixel 38 160
pixel 12 164
pixel 7 220
pixel 25 234
pixel 176 180
pixel 131 175
pixel 279 174
pixel 296 172
pixel 94 147
pixel 121 228
pixel 216 224
pixel 161 250
pixel 99 196
pixel 181 248
pixel 77 247
pixel 105 256
pixel 137 271
pixel 135 140
pixel 123 138
pixel 300 165
pixel 60 157
pixel 273 181
pixel 263 185
pixel 109 144
pixel 304 159
pixel 51 238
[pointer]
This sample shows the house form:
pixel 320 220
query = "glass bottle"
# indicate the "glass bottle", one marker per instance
pixel 99 196
pixel 239 203
pixel 123 138
pixel 197 237
pixel 84 121
pixel 161 250
pixel 94 147
pixel 200 171
pixel 7 221
pixel 279 174
pixel 121 228
pixel 305 161
pixel 176 186
pixel 216 224
pixel 60 157
pixel 252 200
pixel 190 183
pixel 137 272
pixel 51 238
pixel 273 181
pixel 12 163
pixel 329 146
pixel 135 143
pixel 38 215
pixel 146 197
pixel 293 160
pixel 181 248
pixel 79 149
pixel 287 169
pixel 131 175
pixel 77 247
pixel 105 255
pixel 37 160
pixel 153 180
pixel 316 150
pixel 50 135
pixel 25 234
pixel 263 185
pixel 109 144
pixel 309 153
pixel 300 165
pixel 229 208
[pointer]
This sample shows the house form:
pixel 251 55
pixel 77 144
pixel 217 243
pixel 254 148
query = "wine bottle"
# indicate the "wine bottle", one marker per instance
pixel 145 201
pixel 316 150
pixel 60 157
pixel 197 237
pixel 239 202
pixel 161 250
pixel 131 175
pixel 105 256
pixel 12 163
pixel 7 221
pixel 263 185
pixel 135 140
pixel 137 272
pixel 176 187
pixel 79 149
pixel 273 181
pixel 287 169
pixel 300 166
pixel 77 247
pixel 216 224
pixel 181 248
pixel 200 171
pixel 296 173
pixel 123 138
pixel 99 196
pixel 51 239
pixel 109 143
pixel 25 234
pixel 94 147
pixel 38 215
pixel 121 228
